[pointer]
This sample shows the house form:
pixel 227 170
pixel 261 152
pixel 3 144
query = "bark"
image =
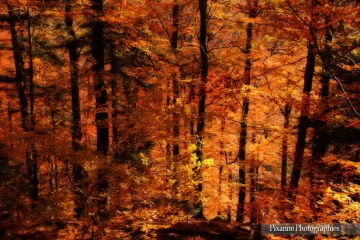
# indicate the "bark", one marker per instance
pixel 192 110
pixel 229 207
pixel 27 120
pixel 320 140
pixel 79 172
pixel 31 73
pixel 9 112
pixel 200 127
pixel 253 178
pixel 31 155
pixel 116 108
pixel 101 119
pixel 56 172
pixel 176 96
pixel 243 125
pixel 303 122
pixel 19 68
pixel 168 145
pixel 176 131
pixel 98 48
pixel 74 78
pixel 221 168
pixel 287 111
pixel 253 211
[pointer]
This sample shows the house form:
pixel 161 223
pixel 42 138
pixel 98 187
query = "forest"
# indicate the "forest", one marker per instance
pixel 177 119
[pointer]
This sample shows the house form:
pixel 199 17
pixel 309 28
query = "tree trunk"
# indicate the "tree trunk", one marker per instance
pixel 79 172
pixel 168 145
pixel 74 78
pixel 303 122
pixel 176 96
pixel 287 111
pixel 32 153
pixel 243 125
pixel 102 127
pixel 117 109
pixel 253 189
pixel 19 68
pixel 31 73
pixel 221 167
pixel 27 116
pixel 204 68
pixel 230 203
pixel 320 141
pixel 98 47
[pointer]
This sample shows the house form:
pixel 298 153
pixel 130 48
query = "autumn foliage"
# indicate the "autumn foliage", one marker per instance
pixel 160 119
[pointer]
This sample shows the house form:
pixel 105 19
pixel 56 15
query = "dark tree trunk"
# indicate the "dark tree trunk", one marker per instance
pixel 221 167
pixel 253 189
pixel 303 122
pixel 56 174
pixel 79 172
pixel 176 96
pixel 204 68
pixel 116 107
pixel 229 207
pixel 31 73
pixel 74 78
pixel 32 169
pixel 32 153
pixel 19 68
pixel 254 210
pixel 9 116
pixel 320 140
pixel 27 116
pixel 101 119
pixel 98 48
pixel 168 145
pixel 243 125
pixel 192 110
pixel 287 111
pixel 242 170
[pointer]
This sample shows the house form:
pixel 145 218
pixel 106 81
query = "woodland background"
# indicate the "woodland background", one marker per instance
pixel 147 119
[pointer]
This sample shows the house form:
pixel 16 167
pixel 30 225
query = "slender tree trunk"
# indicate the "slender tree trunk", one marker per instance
pixel 204 68
pixel 32 160
pixel 229 207
pixel 287 111
pixel 253 211
pixel 79 172
pixel 245 111
pixel 56 175
pixel 253 171
pixel 168 145
pixel 176 131
pixel 74 78
pixel 320 141
pixel 98 48
pixel 116 108
pixel 31 73
pixel 176 96
pixel 32 153
pixel 221 167
pixel 27 119
pixel 101 119
pixel 19 68
pixel 192 110
pixel 303 122
pixel 9 111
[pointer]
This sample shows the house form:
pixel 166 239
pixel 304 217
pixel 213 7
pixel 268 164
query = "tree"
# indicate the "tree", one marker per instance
pixel 27 117
pixel 98 49
pixel 200 127
pixel 253 12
